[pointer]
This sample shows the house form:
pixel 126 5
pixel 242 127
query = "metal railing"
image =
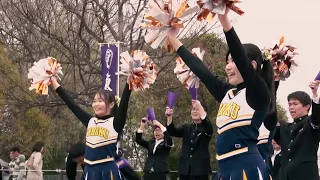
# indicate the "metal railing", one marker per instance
pixel 60 174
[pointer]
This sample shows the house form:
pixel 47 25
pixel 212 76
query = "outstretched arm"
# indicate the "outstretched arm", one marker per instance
pixel 143 143
pixel 258 95
pixel 271 120
pixel 315 116
pixel 217 87
pixel 139 132
pixel 173 131
pixel 121 114
pixel 82 115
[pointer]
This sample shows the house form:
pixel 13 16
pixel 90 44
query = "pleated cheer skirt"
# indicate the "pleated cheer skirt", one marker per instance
pixel 102 171
pixel 248 166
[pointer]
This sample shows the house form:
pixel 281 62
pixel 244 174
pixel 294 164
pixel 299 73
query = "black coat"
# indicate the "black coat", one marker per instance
pixel 299 143
pixel 195 155
pixel 275 167
pixel 158 160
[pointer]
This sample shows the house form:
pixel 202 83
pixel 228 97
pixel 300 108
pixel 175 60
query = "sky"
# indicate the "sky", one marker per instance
pixel 264 22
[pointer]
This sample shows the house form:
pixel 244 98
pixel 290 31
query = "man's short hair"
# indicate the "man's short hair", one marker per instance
pixel 77 150
pixel 301 96
pixel 15 149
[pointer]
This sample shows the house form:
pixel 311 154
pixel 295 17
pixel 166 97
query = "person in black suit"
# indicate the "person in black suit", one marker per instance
pixel 156 166
pixel 194 163
pixel 75 157
pixel 275 161
pixel 299 140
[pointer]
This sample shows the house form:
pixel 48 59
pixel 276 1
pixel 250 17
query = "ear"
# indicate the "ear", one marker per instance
pixel 308 107
pixel 111 105
pixel 254 64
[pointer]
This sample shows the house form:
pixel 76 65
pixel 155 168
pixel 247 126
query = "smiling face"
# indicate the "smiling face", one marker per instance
pixel 233 73
pixel 100 106
pixel 158 134
pixel 297 109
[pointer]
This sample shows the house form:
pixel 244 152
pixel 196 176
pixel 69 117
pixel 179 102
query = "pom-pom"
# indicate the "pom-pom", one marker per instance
pixel 160 16
pixel 183 72
pixel 139 68
pixel 209 8
pixel 41 72
pixel 282 58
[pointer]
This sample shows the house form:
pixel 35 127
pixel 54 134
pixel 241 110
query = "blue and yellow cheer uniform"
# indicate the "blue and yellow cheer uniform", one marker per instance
pixel 242 110
pixel 101 137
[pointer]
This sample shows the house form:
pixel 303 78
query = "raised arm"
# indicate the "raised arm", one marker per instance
pixel 172 130
pixel 217 87
pixel 271 120
pixel 139 139
pixel 315 116
pixel 277 135
pixel 258 95
pixel 82 115
pixel 207 125
pixel 121 114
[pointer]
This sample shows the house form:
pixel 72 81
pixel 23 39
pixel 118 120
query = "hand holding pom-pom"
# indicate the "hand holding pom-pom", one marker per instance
pixel 183 72
pixel 139 68
pixel 41 73
pixel 161 16
pixel 209 8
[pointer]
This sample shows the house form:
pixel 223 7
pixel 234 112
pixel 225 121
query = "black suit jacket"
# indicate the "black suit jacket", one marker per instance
pixel 275 168
pixel 158 160
pixel 299 143
pixel 195 156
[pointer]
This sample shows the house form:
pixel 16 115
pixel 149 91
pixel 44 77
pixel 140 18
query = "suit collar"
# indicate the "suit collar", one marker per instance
pixel 300 118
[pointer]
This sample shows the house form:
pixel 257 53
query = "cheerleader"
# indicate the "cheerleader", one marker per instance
pixel 245 101
pixel 102 130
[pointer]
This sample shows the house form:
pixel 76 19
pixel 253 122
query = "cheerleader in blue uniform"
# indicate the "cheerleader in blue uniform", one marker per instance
pixel 102 131
pixel 245 101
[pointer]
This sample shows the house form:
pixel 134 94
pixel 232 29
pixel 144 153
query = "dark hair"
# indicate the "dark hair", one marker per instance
pixel 37 147
pixel 15 149
pixel 77 150
pixel 264 69
pixel 301 96
pixel 108 97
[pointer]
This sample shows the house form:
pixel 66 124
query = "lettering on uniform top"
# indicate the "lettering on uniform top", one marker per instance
pixel 98 131
pixel 229 110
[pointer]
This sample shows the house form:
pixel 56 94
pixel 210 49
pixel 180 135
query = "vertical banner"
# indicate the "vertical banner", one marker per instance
pixel 110 60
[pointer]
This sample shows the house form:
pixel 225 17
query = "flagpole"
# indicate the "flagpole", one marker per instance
pixel 118 74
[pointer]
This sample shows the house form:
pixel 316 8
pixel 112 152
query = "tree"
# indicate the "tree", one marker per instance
pixel 70 31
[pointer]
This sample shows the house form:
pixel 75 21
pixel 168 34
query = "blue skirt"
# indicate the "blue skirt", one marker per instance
pixel 102 171
pixel 248 166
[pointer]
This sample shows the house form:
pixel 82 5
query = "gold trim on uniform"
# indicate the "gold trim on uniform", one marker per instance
pixel 98 161
pixel 232 153
pixel 234 125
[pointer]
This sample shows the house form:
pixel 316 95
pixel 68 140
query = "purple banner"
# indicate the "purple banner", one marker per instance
pixel 109 59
